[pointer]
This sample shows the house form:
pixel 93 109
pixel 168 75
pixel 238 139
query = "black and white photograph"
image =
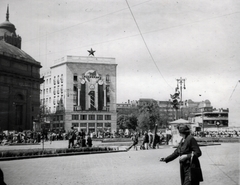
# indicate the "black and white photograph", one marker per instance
pixel 119 92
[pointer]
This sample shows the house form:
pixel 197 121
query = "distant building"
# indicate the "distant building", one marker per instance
pixel 215 118
pixel 167 113
pixel 19 82
pixel 203 112
pixel 80 91
pixel 127 108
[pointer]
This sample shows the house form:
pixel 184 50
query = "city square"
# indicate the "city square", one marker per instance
pixel 220 165
pixel 111 74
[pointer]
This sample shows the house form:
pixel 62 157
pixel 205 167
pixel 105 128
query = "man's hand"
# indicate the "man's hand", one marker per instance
pixel 162 160
pixel 183 157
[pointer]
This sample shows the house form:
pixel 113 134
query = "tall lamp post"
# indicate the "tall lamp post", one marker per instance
pixel 181 84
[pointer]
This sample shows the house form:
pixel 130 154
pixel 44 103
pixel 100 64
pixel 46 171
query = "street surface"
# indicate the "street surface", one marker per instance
pixel 220 165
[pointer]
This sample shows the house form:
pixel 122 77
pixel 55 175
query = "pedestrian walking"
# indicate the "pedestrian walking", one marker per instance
pixel 135 141
pixel 145 140
pixel 71 137
pixel 150 136
pixel 89 141
pixel 189 152
pixel 168 135
pixel 156 141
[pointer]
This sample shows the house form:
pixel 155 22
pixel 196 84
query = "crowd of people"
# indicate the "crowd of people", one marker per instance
pixel 10 137
pixel 222 134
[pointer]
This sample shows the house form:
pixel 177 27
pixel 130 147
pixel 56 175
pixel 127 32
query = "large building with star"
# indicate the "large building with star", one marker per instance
pixel 80 91
pixel 19 82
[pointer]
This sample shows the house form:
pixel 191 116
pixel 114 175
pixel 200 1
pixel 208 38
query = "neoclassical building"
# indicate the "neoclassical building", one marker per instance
pixel 19 82
pixel 80 91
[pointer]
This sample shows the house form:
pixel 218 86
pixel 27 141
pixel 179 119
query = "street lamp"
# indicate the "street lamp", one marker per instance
pixel 181 83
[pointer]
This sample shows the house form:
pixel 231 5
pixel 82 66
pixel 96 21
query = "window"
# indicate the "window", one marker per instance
pixel 83 124
pixel 83 117
pixel 49 90
pixel 107 78
pixel 91 125
pixel 58 79
pixel 54 80
pixel 61 78
pixel 75 124
pixel 107 124
pixel 75 77
pixel 91 117
pixel 99 117
pixel 107 117
pixel 100 125
pixel 75 117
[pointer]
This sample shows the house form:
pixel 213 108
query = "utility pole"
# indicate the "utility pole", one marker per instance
pixel 181 84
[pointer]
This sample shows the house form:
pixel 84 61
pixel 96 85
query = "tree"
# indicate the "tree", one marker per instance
pixel 122 121
pixel 149 115
pixel 133 122
pixel 127 122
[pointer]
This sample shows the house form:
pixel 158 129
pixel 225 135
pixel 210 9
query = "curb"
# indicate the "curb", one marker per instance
pixel 58 155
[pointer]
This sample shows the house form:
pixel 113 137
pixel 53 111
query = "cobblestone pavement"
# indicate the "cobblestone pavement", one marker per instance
pixel 220 165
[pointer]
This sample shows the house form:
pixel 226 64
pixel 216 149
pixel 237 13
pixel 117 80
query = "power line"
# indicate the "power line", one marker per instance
pixel 146 43
pixel 234 90
pixel 84 22
pixel 127 36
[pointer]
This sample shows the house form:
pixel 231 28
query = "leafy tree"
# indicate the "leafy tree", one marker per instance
pixel 127 122
pixel 149 115
pixel 133 122
pixel 122 121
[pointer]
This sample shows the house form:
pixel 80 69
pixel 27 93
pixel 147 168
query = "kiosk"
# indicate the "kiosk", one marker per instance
pixel 176 138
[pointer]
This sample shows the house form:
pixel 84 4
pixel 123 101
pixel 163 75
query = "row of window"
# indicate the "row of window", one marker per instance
pixel 56 90
pixel 91 125
pixel 58 79
pixel 49 100
pixel 90 117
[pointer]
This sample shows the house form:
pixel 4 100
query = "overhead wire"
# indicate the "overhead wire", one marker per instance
pixel 122 37
pixel 234 90
pixel 84 22
pixel 140 33
pixel 146 44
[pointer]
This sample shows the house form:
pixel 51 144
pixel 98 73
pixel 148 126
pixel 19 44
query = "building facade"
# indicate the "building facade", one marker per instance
pixel 81 92
pixel 19 82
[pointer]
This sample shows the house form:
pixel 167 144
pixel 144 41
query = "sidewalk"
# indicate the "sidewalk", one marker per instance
pixel 220 165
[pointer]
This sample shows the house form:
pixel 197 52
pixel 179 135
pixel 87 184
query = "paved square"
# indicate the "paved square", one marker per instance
pixel 220 165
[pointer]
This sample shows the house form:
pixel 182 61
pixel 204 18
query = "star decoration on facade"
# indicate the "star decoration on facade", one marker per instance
pixel 91 52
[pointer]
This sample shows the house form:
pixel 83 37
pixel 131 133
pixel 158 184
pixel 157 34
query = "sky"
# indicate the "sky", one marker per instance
pixel 154 43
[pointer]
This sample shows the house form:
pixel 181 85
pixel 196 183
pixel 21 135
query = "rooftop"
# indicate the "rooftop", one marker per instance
pixel 84 59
